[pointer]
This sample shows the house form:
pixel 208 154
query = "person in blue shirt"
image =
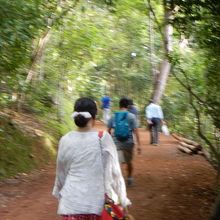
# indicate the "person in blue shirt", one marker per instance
pixel 154 115
pixel 106 107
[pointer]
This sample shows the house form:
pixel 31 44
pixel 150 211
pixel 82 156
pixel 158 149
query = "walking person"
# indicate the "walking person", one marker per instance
pixel 106 107
pixel 134 110
pixel 87 168
pixel 154 115
pixel 125 127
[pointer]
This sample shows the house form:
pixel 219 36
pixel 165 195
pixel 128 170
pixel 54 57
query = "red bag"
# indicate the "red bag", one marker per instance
pixel 111 211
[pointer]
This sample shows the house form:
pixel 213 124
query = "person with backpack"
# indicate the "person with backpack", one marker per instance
pixel 125 127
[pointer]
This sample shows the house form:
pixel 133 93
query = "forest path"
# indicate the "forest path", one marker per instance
pixel 168 185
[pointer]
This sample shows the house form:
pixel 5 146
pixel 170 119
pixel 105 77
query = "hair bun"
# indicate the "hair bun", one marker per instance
pixel 80 120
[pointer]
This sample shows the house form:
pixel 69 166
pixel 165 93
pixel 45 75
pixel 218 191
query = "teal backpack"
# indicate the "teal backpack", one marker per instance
pixel 121 128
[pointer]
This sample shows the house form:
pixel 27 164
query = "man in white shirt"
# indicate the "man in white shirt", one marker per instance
pixel 154 115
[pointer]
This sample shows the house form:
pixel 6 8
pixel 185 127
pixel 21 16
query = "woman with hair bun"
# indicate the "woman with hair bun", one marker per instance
pixel 87 168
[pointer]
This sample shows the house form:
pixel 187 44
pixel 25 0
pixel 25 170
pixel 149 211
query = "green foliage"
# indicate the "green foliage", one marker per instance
pixel 20 23
pixel 98 47
pixel 213 92
pixel 200 22
pixel 95 50
pixel 85 51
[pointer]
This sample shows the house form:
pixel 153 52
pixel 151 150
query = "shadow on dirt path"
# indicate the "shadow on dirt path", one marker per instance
pixel 168 185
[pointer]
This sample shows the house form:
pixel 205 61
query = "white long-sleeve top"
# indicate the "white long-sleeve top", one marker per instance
pixel 154 111
pixel 87 168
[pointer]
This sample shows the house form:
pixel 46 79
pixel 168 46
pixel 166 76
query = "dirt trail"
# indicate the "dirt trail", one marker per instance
pixel 168 185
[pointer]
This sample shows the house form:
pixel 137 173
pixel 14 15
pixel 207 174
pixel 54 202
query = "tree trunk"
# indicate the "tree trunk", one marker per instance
pixel 38 54
pixel 45 37
pixel 151 49
pixel 165 67
pixel 40 48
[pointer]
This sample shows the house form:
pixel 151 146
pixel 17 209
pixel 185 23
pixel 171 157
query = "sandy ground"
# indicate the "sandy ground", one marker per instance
pixel 168 185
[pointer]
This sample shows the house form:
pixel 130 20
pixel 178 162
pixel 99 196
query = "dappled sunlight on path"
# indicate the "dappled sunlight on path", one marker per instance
pixel 168 185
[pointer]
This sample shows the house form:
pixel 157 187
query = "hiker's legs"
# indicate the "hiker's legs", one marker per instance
pixel 130 169
pixel 106 115
pixel 128 156
pixel 153 133
pixel 130 179
pixel 155 130
pixel 150 126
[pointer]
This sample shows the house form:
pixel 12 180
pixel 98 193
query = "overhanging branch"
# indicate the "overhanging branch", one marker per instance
pixel 199 129
pixel 189 88
pixel 155 18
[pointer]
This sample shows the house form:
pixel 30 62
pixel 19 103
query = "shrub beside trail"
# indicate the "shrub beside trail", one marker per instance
pixel 24 144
